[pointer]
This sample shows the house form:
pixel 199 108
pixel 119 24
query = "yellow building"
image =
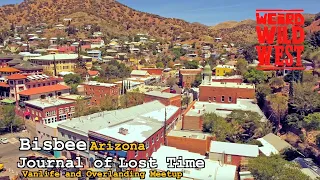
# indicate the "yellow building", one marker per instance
pixel 63 62
pixel 221 70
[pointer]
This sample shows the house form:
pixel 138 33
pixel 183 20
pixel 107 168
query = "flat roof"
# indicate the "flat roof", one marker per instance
pixel 101 120
pixel 272 140
pixel 229 85
pixel 227 77
pixel 246 150
pixel 139 72
pixel 212 170
pixel 161 94
pixel 73 97
pixel 145 88
pixel 51 57
pixel 189 134
pixel 224 110
pixel 45 103
pixel 96 83
pixel 55 124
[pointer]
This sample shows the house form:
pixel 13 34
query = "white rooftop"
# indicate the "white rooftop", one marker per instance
pixel 229 85
pixel 266 148
pixel 161 94
pixel 45 103
pixel 96 83
pixel 51 57
pixel 225 66
pixel 139 72
pixel 234 149
pixel 94 52
pixel 55 124
pixel 226 77
pixel 212 170
pixel 225 109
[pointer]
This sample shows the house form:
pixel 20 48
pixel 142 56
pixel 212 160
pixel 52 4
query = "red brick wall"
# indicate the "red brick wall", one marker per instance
pixel 99 92
pixel 175 101
pixel 192 123
pixel 235 160
pixel 207 92
pixel 200 146
pixel 227 80
pixel 153 71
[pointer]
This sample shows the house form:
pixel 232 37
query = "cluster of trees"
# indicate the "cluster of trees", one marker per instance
pixel 239 126
pixel 109 103
pixel 73 80
pixel 9 121
pixel 114 70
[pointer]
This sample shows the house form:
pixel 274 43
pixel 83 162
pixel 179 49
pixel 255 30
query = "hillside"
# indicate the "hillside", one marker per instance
pixel 112 17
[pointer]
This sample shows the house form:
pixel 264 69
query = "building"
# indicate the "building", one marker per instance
pixel 141 124
pixel 128 85
pixel 19 82
pixel 4 59
pixel 49 110
pixel 163 97
pixel 228 93
pixel 232 153
pixel 28 67
pixel 97 91
pixel 153 71
pixel 226 79
pixel 182 139
pixel 212 169
pixel 7 71
pixel 192 118
pixel 139 74
pixel 95 54
pixel 272 144
pixel 188 76
pixel 60 62
pixel 93 74
pixel 45 132
pixel 221 70
pixel 44 92
pixel 144 80
pixel 308 167
pixel 142 88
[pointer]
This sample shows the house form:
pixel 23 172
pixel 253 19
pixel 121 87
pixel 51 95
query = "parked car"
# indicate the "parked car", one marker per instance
pixel 4 140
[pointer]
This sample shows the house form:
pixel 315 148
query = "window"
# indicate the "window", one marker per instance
pixel 222 98
pixel 34 85
pixel 135 153
pixel 214 99
pixel 70 115
pixel 157 137
pixel 20 82
pixel 209 99
pixel 152 141
pixel 230 99
pixel 62 117
pixel 11 82
pixel 28 86
pixel 62 134
pixel 228 158
pixel 69 136
pixel 72 108
pixel 66 109
pixel 53 113
pixel 60 110
pixel 147 144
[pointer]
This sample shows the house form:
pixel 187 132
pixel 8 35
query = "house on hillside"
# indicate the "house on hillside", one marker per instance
pixel 273 144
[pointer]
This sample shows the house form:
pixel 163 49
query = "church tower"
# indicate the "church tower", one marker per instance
pixel 207 73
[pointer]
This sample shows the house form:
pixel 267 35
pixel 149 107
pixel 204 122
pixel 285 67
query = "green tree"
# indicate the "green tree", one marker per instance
pixel 249 52
pixel 275 168
pixel 312 122
pixel 72 79
pixel 262 91
pixel 294 120
pixel 254 76
pixel 279 106
pixel 305 100
pixel 241 66
pixel 197 81
pixel 191 64
pixel 9 120
pixel 131 99
pixel 109 103
pixel 159 65
pixel 276 83
pixel 218 126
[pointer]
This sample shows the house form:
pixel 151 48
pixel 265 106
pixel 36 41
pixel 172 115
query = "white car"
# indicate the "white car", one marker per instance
pixel 4 140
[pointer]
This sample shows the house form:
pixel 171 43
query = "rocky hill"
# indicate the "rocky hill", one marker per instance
pixel 114 19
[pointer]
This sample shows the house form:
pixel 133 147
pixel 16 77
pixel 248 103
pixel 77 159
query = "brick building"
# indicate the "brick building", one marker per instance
pixel 98 91
pixel 182 139
pixel 188 76
pixel 44 92
pixel 49 110
pixel 227 93
pixel 7 71
pixel 140 124
pixel 232 153
pixel 139 74
pixel 164 97
pixel 226 79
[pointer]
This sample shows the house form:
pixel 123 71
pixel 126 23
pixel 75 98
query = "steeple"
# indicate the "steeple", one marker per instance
pixel 207 73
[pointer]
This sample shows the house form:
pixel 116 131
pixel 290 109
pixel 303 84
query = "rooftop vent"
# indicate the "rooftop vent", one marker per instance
pixel 123 131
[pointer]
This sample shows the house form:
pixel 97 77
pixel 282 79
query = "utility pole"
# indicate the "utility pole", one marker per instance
pixel 54 65
pixel 165 127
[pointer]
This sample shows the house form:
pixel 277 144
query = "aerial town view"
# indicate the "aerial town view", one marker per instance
pixel 137 89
